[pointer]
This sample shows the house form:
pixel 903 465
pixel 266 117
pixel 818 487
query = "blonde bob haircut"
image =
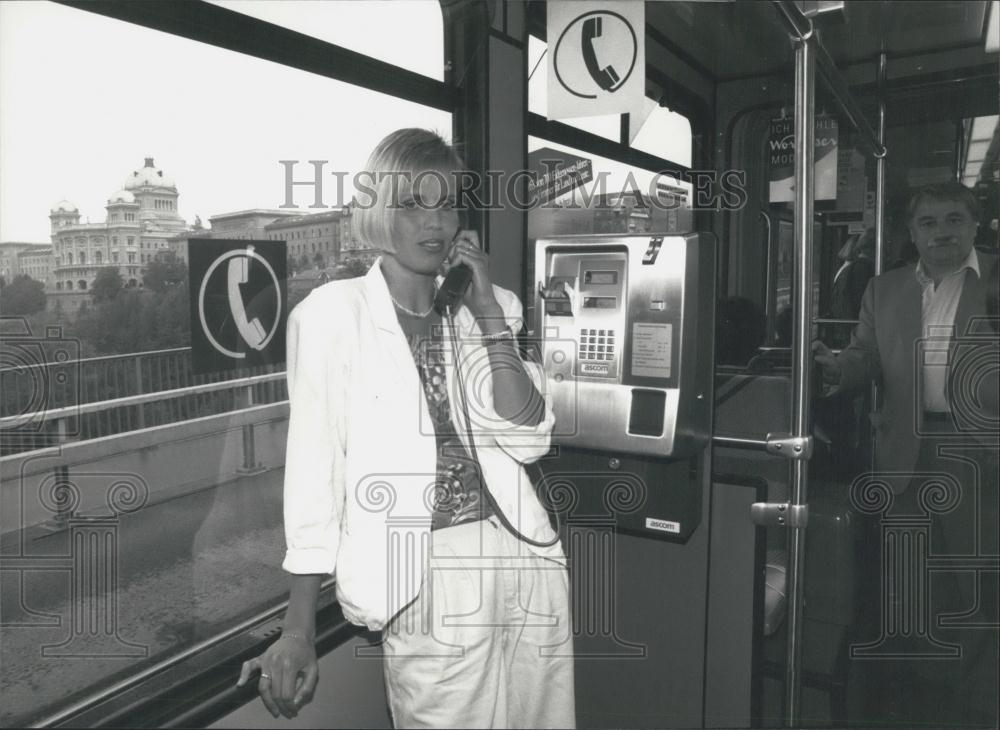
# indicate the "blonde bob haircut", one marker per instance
pixel 407 151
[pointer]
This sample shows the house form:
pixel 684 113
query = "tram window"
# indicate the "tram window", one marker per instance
pixel 352 24
pixel 666 134
pixel 759 261
pixel 983 176
pixel 617 200
pixel 605 125
pixel 980 131
pixel 204 551
pixel 782 274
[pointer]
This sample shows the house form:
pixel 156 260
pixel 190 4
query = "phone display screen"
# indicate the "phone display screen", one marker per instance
pixel 600 302
pixel 600 277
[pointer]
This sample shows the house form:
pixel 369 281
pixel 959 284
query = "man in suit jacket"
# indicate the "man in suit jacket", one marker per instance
pixel 924 336
pixel 919 325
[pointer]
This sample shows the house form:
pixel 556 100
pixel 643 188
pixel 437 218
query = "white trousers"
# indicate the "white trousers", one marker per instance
pixel 487 643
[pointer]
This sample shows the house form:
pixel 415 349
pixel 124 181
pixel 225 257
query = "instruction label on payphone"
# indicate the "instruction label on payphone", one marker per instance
pixel 651 349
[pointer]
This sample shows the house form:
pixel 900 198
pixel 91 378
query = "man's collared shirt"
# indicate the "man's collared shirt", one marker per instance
pixel 938 307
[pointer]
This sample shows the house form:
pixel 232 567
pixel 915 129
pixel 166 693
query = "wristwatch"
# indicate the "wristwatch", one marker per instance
pixel 504 335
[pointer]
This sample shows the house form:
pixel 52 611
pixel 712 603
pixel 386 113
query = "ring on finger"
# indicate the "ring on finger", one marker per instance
pixel 265 675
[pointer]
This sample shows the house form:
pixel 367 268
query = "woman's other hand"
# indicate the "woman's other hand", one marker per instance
pixel 288 675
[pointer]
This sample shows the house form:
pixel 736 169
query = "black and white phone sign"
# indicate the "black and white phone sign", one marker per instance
pixel 597 57
pixel 239 303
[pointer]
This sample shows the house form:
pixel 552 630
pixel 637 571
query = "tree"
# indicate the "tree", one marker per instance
pixel 107 284
pixel 304 262
pixel 319 260
pixel 161 275
pixel 23 295
pixel 357 267
pixel 137 320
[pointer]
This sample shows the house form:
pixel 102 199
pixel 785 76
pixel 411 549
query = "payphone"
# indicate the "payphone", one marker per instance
pixel 626 325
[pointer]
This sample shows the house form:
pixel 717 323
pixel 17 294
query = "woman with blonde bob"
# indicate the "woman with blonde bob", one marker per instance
pixel 404 473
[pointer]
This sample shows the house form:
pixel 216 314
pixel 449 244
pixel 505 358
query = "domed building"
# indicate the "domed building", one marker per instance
pixel 64 207
pixel 140 218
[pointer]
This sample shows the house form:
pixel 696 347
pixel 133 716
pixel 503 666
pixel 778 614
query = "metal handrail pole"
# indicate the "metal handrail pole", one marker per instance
pixel 880 173
pixel 799 25
pixel 833 320
pixel 880 163
pixel 767 258
pixel 801 28
pixel 805 88
pixel 841 94
pixel 739 442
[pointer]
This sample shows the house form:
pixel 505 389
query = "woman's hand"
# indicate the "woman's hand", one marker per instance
pixel 479 298
pixel 288 675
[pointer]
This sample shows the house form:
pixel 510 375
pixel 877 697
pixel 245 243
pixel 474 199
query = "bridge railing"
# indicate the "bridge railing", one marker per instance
pixel 31 392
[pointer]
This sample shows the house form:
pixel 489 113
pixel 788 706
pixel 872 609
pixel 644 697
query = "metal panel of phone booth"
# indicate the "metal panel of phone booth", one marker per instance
pixel 625 328
pixel 626 331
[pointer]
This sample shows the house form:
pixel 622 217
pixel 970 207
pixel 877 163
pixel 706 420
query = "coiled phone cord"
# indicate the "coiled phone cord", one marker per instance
pixel 467 421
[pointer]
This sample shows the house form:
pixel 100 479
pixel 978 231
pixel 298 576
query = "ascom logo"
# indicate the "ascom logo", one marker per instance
pixel 663 525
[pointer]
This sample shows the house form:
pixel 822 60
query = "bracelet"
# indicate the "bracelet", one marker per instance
pixel 504 335
pixel 295 635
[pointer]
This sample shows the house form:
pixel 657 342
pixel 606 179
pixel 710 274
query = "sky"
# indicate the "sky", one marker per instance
pixel 84 99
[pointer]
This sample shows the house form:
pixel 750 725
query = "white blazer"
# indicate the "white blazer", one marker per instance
pixel 362 454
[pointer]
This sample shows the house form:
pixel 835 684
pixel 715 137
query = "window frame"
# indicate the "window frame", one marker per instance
pixel 673 96
pixel 234 31
pixel 147 694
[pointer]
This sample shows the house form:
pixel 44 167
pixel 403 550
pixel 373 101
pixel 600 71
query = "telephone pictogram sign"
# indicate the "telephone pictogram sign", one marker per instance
pixel 238 303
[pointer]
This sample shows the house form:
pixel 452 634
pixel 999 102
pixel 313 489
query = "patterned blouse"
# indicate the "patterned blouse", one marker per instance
pixel 458 490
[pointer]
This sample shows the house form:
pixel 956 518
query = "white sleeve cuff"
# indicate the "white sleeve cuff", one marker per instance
pixel 302 561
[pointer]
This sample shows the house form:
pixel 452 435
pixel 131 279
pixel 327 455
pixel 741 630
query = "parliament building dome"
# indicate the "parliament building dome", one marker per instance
pixel 148 176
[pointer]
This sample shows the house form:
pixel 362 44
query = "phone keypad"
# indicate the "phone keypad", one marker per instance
pixel 597 345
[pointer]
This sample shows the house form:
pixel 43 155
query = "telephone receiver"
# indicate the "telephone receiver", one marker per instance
pixel 605 77
pixel 453 287
pixel 250 330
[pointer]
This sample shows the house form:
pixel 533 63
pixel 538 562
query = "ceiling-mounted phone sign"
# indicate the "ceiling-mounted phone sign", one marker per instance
pixel 597 58
pixel 238 303
pixel 781 155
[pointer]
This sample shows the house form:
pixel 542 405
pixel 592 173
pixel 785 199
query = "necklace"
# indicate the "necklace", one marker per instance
pixel 410 312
